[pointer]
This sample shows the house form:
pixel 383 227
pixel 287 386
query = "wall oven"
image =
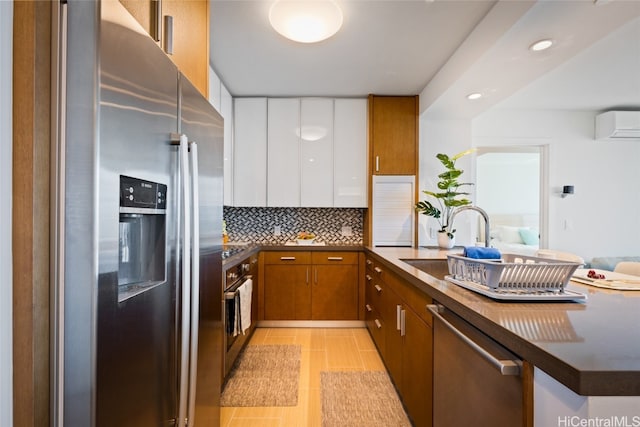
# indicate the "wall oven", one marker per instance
pixel 237 277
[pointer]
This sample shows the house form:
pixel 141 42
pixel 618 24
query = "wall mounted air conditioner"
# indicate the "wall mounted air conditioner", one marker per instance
pixel 615 125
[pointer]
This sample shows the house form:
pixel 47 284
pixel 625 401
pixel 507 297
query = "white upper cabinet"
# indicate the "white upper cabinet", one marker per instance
pixel 250 152
pixel 350 153
pixel 226 109
pixel 283 161
pixel 316 152
pixel 299 152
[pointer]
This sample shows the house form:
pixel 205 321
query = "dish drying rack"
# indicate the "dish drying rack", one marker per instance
pixel 515 277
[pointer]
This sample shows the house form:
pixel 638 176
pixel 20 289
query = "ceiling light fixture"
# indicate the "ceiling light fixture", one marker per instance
pixel 475 95
pixel 307 21
pixel 541 45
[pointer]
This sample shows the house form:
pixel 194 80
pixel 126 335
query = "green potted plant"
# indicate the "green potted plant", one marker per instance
pixel 449 198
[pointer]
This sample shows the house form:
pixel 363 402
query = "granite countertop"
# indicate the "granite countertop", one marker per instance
pixel 593 348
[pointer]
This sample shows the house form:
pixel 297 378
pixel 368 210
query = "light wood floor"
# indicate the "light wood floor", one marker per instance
pixel 322 350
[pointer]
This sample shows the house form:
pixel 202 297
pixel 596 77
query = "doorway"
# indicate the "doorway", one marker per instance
pixel 511 187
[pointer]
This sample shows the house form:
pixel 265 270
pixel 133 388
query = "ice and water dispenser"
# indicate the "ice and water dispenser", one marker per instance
pixel 142 236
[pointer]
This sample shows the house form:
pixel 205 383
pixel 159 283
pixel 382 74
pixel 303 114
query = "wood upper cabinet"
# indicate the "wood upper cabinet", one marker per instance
pixel 393 135
pixel 311 285
pixel 190 33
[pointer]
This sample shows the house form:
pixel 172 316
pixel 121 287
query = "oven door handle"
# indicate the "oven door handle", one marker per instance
pixel 233 290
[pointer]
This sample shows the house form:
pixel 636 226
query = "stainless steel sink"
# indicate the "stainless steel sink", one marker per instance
pixel 437 268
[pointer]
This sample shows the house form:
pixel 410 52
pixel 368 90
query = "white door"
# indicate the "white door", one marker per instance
pixel 350 153
pixel 250 150
pixel 316 153
pixel 283 169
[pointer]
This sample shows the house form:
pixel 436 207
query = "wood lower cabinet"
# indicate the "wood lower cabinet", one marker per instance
pixel 334 293
pixel 310 285
pixel 417 369
pixel 287 286
pixel 287 292
pixel 401 327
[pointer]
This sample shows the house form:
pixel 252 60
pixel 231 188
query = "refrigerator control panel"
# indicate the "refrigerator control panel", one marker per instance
pixel 140 194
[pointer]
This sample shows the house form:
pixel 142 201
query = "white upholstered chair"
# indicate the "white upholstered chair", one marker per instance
pixel 628 267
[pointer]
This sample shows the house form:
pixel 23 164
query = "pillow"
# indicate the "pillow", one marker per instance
pixel 509 234
pixel 529 236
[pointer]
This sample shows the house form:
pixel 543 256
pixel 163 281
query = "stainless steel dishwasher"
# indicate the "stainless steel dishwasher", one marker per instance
pixel 476 382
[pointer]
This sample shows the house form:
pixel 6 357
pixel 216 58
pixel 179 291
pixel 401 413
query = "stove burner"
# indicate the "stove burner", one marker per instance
pixel 228 252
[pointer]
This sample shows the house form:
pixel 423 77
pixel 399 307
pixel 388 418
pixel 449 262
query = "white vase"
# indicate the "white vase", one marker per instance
pixel 444 241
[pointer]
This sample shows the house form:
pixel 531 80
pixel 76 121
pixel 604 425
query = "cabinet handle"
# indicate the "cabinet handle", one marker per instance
pixel 369 278
pixel 403 322
pixel 378 324
pixel 157 19
pixel 334 258
pixel 398 315
pixel 287 258
pixel 506 367
pixel 368 307
pixel 377 163
pixel 369 262
pixel 378 288
pixel 378 270
pixel 307 276
pixel 315 273
pixel 168 34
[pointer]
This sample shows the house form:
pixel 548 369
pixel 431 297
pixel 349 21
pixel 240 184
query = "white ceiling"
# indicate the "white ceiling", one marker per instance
pixel 441 49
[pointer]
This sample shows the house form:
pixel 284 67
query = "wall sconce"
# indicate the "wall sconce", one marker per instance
pixel 566 190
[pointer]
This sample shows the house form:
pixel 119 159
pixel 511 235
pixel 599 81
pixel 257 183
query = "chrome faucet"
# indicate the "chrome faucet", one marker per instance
pixel 481 212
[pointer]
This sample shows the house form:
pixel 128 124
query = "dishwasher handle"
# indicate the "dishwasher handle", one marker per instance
pixel 506 367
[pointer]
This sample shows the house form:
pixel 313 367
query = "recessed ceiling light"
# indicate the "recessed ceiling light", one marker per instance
pixel 541 45
pixel 475 95
pixel 307 21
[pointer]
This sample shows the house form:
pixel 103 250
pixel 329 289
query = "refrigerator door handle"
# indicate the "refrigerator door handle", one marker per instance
pixel 195 282
pixel 185 246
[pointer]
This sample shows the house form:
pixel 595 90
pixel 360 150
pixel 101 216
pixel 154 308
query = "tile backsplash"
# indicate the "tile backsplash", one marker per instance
pixel 257 224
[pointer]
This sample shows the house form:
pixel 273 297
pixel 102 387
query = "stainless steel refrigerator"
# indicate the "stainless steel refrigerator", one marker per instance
pixel 137 229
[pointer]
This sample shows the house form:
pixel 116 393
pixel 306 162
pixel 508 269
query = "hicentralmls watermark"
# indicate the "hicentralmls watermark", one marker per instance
pixel 613 421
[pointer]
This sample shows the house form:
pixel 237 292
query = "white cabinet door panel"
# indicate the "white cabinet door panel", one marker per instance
pixel 316 152
pixel 350 153
pixel 283 165
pixel 250 152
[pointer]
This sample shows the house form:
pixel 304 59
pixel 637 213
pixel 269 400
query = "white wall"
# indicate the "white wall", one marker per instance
pixel 449 137
pixel 601 218
pixel 6 314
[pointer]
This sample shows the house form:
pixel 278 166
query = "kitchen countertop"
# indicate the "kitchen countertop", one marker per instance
pixel 593 348
pixel 249 249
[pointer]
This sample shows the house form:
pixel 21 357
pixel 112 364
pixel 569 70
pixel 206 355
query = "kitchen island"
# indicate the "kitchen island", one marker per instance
pixel 586 356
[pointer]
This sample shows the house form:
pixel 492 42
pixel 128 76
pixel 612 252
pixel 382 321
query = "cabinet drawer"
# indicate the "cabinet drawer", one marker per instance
pixel 374 292
pixel 375 325
pixel 369 264
pixel 289 258
pixel 334 257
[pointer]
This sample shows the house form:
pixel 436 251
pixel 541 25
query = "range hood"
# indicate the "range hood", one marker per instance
pixel 617 125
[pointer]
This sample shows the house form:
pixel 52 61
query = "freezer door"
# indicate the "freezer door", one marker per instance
pixel 202 124
pixel 136 363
